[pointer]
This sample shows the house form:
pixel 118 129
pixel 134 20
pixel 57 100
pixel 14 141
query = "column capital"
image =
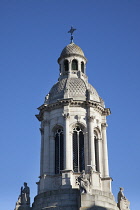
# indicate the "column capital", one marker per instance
pixel 91 118
pixel 45 122
pixel 104 125
pixel 66 115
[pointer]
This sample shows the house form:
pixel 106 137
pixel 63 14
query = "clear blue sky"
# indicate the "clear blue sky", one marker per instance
pixel 32 36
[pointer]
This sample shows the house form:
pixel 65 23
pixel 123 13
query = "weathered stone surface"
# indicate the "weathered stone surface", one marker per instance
pixel 73 139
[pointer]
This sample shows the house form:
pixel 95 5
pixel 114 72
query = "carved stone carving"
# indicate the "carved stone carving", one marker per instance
pixel 123 203
pixel 78 117
pixel 84 183
pixel 91 118
pixel 104 125
pixel 66 115
pixel 24 197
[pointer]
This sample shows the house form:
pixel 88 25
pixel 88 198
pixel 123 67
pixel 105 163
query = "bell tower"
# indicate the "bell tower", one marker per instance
pixel 74 172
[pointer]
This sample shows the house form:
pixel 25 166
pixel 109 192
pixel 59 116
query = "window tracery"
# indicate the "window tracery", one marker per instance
pixel 78 149
pixel 96 151
pixel 59 150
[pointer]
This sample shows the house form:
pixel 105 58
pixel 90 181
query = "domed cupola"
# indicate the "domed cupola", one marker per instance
pixel 72 60
pixel 71 50
pixel 73 81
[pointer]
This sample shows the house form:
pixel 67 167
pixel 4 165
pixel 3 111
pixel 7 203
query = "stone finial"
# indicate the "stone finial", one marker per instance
pixel 123 203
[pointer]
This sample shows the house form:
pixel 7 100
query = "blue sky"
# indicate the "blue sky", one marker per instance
pixel 32 36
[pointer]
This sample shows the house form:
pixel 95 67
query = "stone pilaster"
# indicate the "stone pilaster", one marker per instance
pixel 52 155
pixel 100 155
pixel 46 147
pixel 67 145
pixel 91 141
pixel 42 150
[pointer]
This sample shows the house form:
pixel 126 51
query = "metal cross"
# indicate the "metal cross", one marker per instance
pixel 71 31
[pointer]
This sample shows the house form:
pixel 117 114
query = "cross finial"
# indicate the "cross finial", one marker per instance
pixel 71 31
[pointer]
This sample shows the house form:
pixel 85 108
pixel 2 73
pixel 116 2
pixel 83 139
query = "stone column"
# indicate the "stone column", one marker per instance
pixel 105 151
pixel 67 145
pixel 71 149
pixel 52 155
pixel 100 154
pixel 91 142
pixel 41 151
pixel 46 147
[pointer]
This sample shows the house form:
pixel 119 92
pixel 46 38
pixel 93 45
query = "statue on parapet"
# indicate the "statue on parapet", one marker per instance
pixel 83 183
pixel 24 197
pixel 25 194
pixel 123 203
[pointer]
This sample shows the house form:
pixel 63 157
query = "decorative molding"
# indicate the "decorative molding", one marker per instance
pixel 45 122
pixel 91 118
pixel 106 111
pixel 104 125
pixel 100 139
pixel 78 118
pixel 66 115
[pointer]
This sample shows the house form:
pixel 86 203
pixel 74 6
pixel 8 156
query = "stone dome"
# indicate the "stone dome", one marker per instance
pixel 71 49
pixel 75 88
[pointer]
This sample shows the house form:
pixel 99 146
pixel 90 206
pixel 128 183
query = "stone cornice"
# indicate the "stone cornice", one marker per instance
pixel 70 55
pixel 73 103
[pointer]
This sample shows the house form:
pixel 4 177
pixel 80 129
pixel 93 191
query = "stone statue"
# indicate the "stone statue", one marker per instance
pixel 123 203
pixel 24 197
pixel 25 194
pixel 84 183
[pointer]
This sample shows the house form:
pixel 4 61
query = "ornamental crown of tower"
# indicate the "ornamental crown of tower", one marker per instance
pixel 73 82
pixel 74 172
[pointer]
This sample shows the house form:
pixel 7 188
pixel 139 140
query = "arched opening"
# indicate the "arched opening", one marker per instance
pixel 96 151
pixel 78 150
pixel 74 64
pixel 82 67
pixel 66 65
pixel 59 150
pixel 60 68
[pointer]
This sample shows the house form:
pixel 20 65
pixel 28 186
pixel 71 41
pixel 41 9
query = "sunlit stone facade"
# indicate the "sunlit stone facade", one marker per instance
pixel 74 172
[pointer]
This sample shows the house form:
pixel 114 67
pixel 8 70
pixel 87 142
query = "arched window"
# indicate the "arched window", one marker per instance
pixel 78 150
pixel 96 151
pixel 74 64
pixel 82 66
pixel 66 65
pixel 59 159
